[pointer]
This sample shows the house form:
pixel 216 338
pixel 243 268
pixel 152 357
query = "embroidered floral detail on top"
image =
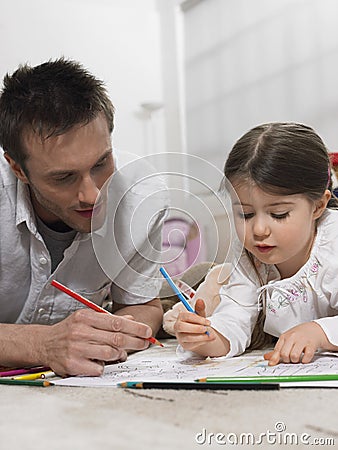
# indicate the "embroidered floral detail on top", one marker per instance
pixel 286 297
pixel 314 268
pixel 278 297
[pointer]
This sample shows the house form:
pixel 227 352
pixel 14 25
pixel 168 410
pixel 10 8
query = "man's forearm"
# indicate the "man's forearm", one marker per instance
pixel 150 313
pixel 19 344
pixel 77 345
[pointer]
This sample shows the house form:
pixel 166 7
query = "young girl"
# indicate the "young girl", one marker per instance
pixel 286 282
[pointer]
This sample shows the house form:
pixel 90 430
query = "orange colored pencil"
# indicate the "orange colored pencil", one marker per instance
pixel 92 305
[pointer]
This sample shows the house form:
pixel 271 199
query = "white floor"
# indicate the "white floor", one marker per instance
pixel 62 418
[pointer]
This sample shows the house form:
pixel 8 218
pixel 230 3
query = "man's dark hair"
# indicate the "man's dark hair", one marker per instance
pixel 49 100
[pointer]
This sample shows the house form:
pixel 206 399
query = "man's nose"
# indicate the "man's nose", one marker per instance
pixel 88 191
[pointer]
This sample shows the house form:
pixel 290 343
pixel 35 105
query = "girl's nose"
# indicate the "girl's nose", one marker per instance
pixel 260 227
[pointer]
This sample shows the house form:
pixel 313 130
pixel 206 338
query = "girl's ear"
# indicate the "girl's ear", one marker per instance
pixel 16 168
pixel 320 205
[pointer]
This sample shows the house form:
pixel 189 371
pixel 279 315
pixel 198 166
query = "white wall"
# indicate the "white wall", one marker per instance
pixel 248 62
pixel 117 40
pixel 245 62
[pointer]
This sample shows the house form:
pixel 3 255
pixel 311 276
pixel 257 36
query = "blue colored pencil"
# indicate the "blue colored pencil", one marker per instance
pixel 178 292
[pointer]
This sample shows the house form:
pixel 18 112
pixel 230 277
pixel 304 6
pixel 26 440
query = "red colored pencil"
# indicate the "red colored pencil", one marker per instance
pixel 91 305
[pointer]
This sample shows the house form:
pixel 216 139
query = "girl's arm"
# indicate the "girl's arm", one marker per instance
pixel 232 322
pixel 300 343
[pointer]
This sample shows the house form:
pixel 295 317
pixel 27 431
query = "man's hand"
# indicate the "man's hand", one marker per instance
pixel 298 344
pixel 81 343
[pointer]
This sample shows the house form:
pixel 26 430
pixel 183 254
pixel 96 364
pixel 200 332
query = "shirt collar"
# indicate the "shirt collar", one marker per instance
pixel 25 211
pixel 24 208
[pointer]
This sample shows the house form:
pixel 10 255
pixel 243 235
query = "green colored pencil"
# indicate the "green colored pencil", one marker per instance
pixel 42 383
pixel 271 378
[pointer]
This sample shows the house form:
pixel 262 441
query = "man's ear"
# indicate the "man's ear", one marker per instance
pixel 320 205
pixel 16 168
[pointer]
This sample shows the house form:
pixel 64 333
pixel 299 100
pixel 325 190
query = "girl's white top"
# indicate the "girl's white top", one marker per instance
pixel 309 295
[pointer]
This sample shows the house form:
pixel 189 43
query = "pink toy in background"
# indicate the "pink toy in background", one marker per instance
pixel 182 245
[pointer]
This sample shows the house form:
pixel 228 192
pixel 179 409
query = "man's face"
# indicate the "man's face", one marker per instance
pixel 65 174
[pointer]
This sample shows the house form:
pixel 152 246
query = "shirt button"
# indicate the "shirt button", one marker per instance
pixel 43 260
pixel 41 311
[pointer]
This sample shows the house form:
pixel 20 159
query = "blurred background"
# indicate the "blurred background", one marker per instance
pixel 191 76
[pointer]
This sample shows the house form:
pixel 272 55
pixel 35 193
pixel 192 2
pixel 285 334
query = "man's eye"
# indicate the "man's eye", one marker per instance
pixel 101 163
pixel 64 179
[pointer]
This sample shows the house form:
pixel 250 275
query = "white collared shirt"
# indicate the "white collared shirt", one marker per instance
pixel 309 295
pixel 26 295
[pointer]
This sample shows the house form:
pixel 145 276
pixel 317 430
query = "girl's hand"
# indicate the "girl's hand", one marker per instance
pixel 191 329
pixel 298 344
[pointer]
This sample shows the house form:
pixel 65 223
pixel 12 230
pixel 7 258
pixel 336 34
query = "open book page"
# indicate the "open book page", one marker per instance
pixel 164 364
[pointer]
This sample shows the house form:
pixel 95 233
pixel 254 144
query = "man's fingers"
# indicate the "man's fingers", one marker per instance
pixel 102 353
pixel 110 322
pixel 129 317
pixel 117 340
pixel 78 366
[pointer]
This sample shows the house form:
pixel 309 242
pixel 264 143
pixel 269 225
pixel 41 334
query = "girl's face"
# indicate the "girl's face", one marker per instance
pixel 278 229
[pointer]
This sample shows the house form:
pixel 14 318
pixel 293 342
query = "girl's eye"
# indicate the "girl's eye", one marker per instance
pixel 280 216
pixel 246 216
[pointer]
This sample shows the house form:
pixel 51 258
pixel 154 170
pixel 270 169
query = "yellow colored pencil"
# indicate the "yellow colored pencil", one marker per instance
pixel 34 376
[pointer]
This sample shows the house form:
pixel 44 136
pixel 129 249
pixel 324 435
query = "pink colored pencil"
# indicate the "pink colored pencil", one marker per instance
pixel 14 372
pixel 91 305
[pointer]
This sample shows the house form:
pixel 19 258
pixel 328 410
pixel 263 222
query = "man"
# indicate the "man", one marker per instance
pixel 55 130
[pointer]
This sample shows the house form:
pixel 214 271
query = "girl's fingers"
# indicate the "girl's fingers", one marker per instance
pixel 192 318
pixel 190 328
pixel 309 353
pixel 275 355
pixel 200 308
pixel 195 339
pixel 268 355
pixel 296 352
